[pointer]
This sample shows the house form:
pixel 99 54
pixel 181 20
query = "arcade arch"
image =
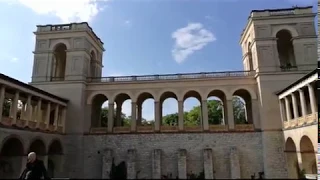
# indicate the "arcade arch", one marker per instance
pixel 59 62
pixel 196 112
pixel 55 157
pixel 11 156
pixel 216 102
pixel 292 159
pixel 242 107
pixel 145 101
pixel 308 155
pixel 285 48
pixel 169 107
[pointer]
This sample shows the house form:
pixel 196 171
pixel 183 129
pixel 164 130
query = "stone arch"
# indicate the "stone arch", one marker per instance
pixel 163 96
pixel 142 97
pixel 250 57
pixel 92 95
pixel 293 31
pixel 120 99
pixel 240 114
pixel 220 96
pixel 37 145
pixel 96 109
pixel 60 41
pixel 292 158
pixel 192 93
pixel 93 59
pixel 11 155
pixel 198 118
pixel 308 155
pixel 174 92
pixel 252 93
pixel 285 48
pixel 59 62
pixel 55 158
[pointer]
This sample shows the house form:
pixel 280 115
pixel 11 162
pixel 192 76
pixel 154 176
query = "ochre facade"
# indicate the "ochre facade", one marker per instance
pixel 60 117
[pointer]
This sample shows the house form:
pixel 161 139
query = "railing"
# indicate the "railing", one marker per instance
pixel 21 123
pixel 172 76
pixel 283 12
pixel 301 121
pixel 173 129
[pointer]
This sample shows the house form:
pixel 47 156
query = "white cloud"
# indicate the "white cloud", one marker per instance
pixel 66 10
pixel 189 39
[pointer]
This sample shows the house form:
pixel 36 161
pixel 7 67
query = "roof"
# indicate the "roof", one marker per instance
pixel 95 35
pixel 299 81
pixel 283 9
pixel 32 88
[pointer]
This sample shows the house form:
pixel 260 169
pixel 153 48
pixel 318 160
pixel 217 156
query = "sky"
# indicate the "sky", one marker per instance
pixel 140 36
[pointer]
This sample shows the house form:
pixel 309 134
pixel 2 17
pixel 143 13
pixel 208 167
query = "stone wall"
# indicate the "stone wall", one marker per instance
pixel 191 151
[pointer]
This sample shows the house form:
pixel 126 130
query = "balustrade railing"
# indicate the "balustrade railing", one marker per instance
pixel 301 121
pixel 172 76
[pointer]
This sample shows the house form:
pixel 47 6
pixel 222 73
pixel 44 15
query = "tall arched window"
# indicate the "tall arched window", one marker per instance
pixel 59 62
pixel 285 49
pixel 92 64
pixel 250 57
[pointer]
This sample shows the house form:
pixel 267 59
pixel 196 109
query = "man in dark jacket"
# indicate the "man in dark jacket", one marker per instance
pixel 35 168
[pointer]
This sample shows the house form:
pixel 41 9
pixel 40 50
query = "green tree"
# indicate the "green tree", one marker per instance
pixel 215 116
pixel 6 107
pixel 104 117
pixel 239 111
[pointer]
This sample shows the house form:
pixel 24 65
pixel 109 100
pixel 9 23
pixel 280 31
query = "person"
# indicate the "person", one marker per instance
pixel 35 168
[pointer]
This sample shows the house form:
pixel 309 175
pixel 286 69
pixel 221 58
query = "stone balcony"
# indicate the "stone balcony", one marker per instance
pixel 31 125
pixel 166 77
pixel 174 129
pixel 301 121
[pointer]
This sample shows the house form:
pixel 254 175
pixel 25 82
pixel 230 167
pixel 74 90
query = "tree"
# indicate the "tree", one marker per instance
pixel 104 118
pixel 215 114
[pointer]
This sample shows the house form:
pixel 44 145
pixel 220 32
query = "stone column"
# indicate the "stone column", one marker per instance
pixel 282 111
pixel 56 117
pixel 133 116
pixel 180 115
pixel 295 106
pixel 312 99
pixel 38 117
pixel 234 164
pixel 2 97
pixel 156 164
pixel 230 114
pixel 157 116
pixel 48 115
pixel 303 103
pixel 131 164
pixel 110 117
pixel 139 110
pixel 107 163
pixel 15 107
pixel 29 110
pixel 182 164
pixel 205 115
pixel 208 164
pixel 63 118
pixel 118 114
pixel 288 109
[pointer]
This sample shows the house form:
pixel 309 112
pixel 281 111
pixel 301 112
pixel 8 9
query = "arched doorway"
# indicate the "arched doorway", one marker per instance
pixel 308 155
pixel 55 155
pixel 11 155
pixel 59 62
pixel 292 159
pixel 285 49
pixel 39 148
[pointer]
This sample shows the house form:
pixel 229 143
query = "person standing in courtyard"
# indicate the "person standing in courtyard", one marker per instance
pixel 35 168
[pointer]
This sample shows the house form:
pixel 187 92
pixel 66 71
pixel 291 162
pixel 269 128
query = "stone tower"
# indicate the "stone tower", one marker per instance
pixel 65 57
pixel 281 46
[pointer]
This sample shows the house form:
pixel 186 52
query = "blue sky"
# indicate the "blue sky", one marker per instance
pixel 140 36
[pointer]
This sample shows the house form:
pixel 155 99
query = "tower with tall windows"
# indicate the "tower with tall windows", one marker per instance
pixel 280 45
pixel 70 52
pixel 65 56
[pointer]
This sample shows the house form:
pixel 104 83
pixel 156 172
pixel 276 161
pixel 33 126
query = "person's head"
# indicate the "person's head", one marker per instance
pixel 32 157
